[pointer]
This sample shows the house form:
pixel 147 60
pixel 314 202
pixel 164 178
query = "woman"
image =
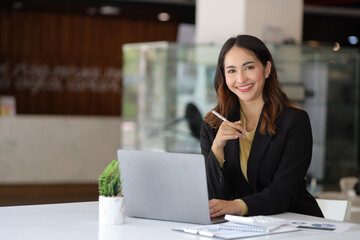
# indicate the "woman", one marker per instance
pixel 257 161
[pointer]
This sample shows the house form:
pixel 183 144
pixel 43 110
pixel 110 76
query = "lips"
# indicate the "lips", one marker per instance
pixel 245 88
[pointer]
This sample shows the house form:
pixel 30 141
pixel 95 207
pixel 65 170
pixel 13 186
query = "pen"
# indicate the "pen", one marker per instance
pixel 219 116
pixel 317 228
pixel 222 118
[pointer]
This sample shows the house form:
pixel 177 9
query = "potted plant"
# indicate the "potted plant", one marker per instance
pixel 111 200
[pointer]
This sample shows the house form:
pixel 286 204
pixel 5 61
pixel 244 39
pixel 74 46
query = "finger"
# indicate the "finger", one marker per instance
pixel 216 213
pixel 213 202
pixel 237 125
pixel 234 126
pixel 233 134
pixel 228 134
pixel 230 131
pixel 213 210
pixel 216 208
pixel 213 205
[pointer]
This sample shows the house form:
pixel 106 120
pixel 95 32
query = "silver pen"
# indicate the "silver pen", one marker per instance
pixel 224 119
pixel 219 116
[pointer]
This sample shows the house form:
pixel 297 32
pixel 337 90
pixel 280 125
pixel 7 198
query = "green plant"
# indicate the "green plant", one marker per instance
pixel 109 181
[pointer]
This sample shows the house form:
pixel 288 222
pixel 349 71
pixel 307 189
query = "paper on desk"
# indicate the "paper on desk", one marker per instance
pixel 338 227
pixel 214 230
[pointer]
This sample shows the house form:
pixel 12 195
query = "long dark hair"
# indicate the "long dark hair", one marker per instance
pixel 274 98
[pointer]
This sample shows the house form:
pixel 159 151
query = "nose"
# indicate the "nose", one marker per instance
pixel 241 77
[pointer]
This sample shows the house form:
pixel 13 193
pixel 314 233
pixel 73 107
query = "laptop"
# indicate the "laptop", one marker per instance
pixel 165 186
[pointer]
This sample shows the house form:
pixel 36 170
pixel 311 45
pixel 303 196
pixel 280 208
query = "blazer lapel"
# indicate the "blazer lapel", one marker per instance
pixel 258 147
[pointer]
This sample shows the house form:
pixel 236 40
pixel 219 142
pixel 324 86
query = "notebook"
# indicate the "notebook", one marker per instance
pixel 165 186
pixel 231 230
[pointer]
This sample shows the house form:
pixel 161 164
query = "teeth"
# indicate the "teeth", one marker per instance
pixel 245 87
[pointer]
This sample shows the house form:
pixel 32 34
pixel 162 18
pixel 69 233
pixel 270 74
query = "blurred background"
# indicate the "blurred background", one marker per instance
pixel 80 79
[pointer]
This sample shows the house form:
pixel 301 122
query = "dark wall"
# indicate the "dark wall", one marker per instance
pixel 55 59
pixel 331 28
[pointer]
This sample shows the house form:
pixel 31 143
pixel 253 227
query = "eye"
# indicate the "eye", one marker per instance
pixel 231 71
pixel 249 67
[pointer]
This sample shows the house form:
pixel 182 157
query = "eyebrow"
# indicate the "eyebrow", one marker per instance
pixel 244 64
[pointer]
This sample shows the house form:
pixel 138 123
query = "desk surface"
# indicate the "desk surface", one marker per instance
pixel 80 221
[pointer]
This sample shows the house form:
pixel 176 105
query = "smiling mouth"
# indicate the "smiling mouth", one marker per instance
pixel 246 87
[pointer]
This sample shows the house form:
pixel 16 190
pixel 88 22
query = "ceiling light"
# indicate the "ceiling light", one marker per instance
pixel 164 17
pixel 109 10
pixel 336 46
pixel 353 40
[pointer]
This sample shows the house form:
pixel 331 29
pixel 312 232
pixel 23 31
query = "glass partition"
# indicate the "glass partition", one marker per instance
pixel 168 89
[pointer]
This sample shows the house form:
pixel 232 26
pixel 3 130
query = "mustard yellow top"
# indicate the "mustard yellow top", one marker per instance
pixel 245 147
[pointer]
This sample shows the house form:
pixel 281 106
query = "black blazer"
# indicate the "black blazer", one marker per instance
pixel 277 166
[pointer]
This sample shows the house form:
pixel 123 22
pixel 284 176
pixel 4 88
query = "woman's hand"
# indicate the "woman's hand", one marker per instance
pixel 227 131
pixel 221 207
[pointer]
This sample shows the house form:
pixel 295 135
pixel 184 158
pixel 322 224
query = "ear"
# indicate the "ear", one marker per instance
pixel 267 69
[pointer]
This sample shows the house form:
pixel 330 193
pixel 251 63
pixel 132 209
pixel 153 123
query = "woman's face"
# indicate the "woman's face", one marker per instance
pixel 245 75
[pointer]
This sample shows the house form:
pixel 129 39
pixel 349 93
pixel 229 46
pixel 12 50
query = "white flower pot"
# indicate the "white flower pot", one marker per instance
pixel 111 210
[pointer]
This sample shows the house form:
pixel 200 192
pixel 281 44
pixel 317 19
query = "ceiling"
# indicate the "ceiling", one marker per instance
pixel 324 20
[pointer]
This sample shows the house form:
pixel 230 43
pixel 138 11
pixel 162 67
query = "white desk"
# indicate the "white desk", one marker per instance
pixel 80 221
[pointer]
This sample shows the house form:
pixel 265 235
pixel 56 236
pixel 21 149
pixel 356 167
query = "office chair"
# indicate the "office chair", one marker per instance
pixel 193 118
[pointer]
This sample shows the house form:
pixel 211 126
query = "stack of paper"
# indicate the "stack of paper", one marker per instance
pixel 240 227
